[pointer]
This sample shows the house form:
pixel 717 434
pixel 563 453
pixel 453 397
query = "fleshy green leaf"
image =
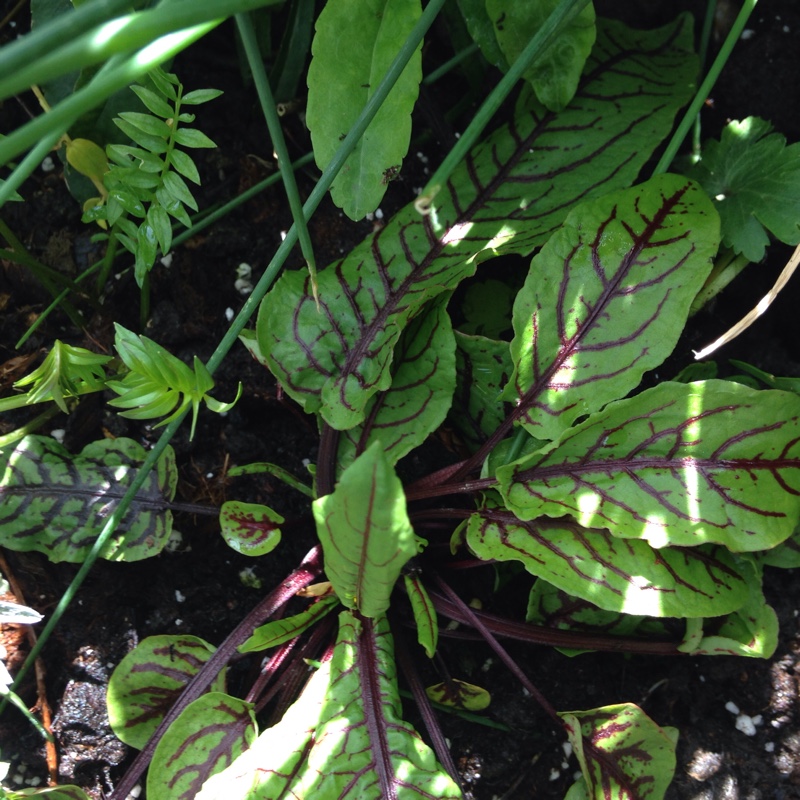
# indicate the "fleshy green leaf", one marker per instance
pixel 606 299
pixel 615 574
pixel 425 617
pixel 282 630
pixel 354 45
pixel 623 754
pixel 335 358
pixel 365 533
pixel 679 464
pixel 754 178
pixel 416 403
pixel 249 528
pixel 555 74
pixel 58 504
pixel 147 682
pixel 210 733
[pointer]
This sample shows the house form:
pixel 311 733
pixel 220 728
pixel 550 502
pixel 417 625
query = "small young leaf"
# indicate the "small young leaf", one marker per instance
pixel 191 137
pixel 158 220
pixel 164 83
pixel 622 753
pixel 459 694
pixel 147 123
pixel 176 186
pixel 282 630
pixel 207 736
pixel 127 201
pixel 183 163
pixel 154 102
pixel 173 206
pixel 249 528
pixel 555 74
pixel 365 533
pixel 147 682
pixel 424 614
pixel 199 96
pixel 754 179
pixel 154 144
pixel 338 88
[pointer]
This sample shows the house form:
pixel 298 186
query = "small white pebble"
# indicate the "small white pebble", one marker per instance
pixel 525 692
pixel 243 286
pixel 174 542
pixel 58 434
pixel 564 765
pixel 135 792
pixel 166 261
pixel 370 216
pixel 244 270
pixel 702 679
pixel 757 720
pixel 34 781
pixel 487 665
pixel 22 768
pixel 747 33
pixel 179 596
pixel 48 165
pixel 567 748
pixel 229 314
pixel 209 475
pixel 786 29
pixel 732 707
pixel 769 747
pixel 744 723
pixel 306 462
pixel 18 779
pixel 378 213
pixel 554 774
pixel 284 233
pixel 178 623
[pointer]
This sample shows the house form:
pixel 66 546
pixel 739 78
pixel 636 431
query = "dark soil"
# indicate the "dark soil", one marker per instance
pixel 197 588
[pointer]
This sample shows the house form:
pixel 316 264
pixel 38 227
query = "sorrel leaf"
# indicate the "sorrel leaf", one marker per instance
pixel 365 533
pixel 282 630
pixel 41 482
pixel 625 575
pixel 344 737
pixel 606 298
pixel 554 77
pixel 416 403
pixel 483 368
pixel 629 755
pixel 509 194
pixel 52 793
pixel 425 619
pixel 679 464
pixel 205 738
pixel 459 694
pixel 354 44
pixel 250 528
pixel 147 682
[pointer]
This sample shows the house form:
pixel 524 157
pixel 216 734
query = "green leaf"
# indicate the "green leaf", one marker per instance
pixel 191 137
pixel 206 737
pixel 354 44
pixel 555 74
pixel 158 221
pixel 153 102
pixel 425 617
pixel 416 403
pixel 154 144
pixel 365 533
pixel 703 463
pixel 249 528
pixel 177 187
pixel 324 746
pixel 283 630
pixel 199 96
pixel 487 308
pixel 606 299
pixel 334 358
pixel 147 123
pixel 148 681
pixel 459 694
pixel 482 31
pixel 623 754
pixel 128 201
pixel 58 504
pixel 65 792
pixel 786 555
pixel 754 179
pixel 183 163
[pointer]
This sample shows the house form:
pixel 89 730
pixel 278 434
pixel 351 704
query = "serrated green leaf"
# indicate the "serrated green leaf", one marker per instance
pixel 334 358
pixel 754 178
pixel 183 163
pixel 191 137
pixel 208 735
pixel 623 754
pixel 58 504
pixel 339 87
pixel 606 299
pixel 365 533
pixel 250 528
pixel 555 74
pixel 708 462
pixel 148 681
pixel 282 630
pixel 416 403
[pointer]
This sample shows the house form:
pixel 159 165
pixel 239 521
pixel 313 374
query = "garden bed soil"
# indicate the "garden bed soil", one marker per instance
pixel 739 719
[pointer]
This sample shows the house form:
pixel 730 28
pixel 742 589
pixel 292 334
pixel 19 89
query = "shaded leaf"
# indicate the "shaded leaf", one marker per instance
pixel 148 681
pixel 425 619
pixel 333 359
pixel 58 504
pixel 623 754
pixel 754 178
pixel 459 694
pixel 341 80
pixel 250 528
pixel 606 299
pixel 208 735
pixel 365 533
pixel 282 630
pixel 623 575
pixel 481 29
pixel 708 462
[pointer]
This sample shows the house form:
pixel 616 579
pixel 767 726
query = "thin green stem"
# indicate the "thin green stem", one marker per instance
pixel 561 16
pixel 248 35
pixel 439 72
pixel 705 38
pixel 705 87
